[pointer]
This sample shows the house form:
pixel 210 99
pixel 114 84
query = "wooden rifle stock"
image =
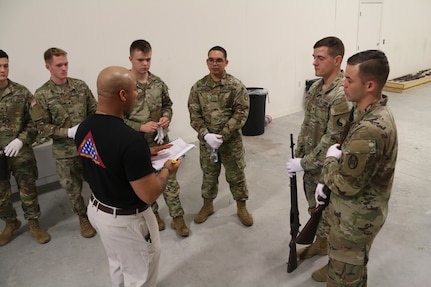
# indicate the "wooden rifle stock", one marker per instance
pixel 307 234
pixel 292 264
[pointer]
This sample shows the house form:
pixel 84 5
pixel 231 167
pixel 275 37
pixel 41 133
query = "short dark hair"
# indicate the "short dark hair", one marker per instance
pixel 140 45
pixel 51 52
pixel 3 54
pixel 218 48
pixel 373 65
pixel 335 46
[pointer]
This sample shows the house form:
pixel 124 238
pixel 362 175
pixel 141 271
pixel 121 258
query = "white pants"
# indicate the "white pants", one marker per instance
pixel 133 258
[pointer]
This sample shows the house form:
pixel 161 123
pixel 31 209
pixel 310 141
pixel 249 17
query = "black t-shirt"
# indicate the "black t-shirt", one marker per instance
pixel 113 155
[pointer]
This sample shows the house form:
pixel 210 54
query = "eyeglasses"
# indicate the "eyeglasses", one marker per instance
pixel 215 61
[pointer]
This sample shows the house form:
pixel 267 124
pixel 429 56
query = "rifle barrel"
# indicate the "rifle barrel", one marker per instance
pixel 292 264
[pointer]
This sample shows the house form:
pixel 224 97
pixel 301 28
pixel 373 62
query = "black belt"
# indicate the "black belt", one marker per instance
pixel 113 210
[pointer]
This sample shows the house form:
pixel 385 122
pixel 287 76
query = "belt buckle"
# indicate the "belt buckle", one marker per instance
pixel 95 203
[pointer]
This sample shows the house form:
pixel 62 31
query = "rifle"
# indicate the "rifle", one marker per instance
pixel 294 218
pixel 4 171
pixel 307 234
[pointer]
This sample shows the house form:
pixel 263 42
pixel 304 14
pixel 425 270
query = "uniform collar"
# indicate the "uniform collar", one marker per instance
pixel 213 83
pixel 335 83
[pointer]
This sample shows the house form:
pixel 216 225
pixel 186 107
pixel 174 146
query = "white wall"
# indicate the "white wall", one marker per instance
pixel 269 43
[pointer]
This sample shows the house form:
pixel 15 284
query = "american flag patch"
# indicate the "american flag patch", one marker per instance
pixel 88 149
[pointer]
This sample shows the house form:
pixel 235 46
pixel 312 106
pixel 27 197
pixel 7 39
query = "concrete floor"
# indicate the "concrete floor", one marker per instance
pixel 222 252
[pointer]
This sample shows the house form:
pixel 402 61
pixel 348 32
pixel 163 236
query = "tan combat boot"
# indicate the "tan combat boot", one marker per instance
pixel 87 230
pixel 318 247
pixel 206 210
pixel 180 226
pixel 243 214
pixel 320 275
pixel 160 222
pixel 9 228
pixel 38 233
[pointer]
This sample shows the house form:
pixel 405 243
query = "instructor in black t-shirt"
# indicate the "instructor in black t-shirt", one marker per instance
pixel 117 166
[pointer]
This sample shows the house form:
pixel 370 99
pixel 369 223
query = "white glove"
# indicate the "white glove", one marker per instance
pixel 161 133
pixel 334 150
pixel 293 165
pixel 319 193
pixel 71 132
pixel 214 140
pixel 13 148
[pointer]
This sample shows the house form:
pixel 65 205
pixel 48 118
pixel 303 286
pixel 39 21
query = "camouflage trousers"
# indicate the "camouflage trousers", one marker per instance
pixel 171 194
pixel 348 258
pixel 231 155
pixel 341 274
pixel 310 183
pixel 70 173
pixel 24 169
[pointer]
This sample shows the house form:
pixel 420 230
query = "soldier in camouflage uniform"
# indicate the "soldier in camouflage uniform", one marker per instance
pixel 60 105
pixel 360 175
pixel 152 115
pixel 219 105
pixel 326 113
pixel 17 133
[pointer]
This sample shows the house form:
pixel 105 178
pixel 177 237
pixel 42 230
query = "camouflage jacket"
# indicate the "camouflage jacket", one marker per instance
pixel 361 180
pixel 14 115
pixel 152 103
pixel 218 107
pixel 57 108
pixel 326 114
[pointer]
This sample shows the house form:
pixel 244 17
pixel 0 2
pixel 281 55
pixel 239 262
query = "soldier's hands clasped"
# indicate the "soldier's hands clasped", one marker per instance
pixel 214 140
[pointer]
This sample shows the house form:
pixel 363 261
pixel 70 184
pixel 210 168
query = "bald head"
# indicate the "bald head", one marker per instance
pixel 113 79
pixel 116 89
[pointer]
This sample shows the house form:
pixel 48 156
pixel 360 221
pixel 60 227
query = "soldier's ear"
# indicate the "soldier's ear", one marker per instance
pixel 371 86
pixel 338 60
pixel 122 95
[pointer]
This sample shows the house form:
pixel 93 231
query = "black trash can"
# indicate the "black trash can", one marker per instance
pixel 255 124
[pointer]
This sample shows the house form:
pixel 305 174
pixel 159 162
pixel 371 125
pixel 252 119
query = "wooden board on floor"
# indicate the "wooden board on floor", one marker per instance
pixel 408 82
